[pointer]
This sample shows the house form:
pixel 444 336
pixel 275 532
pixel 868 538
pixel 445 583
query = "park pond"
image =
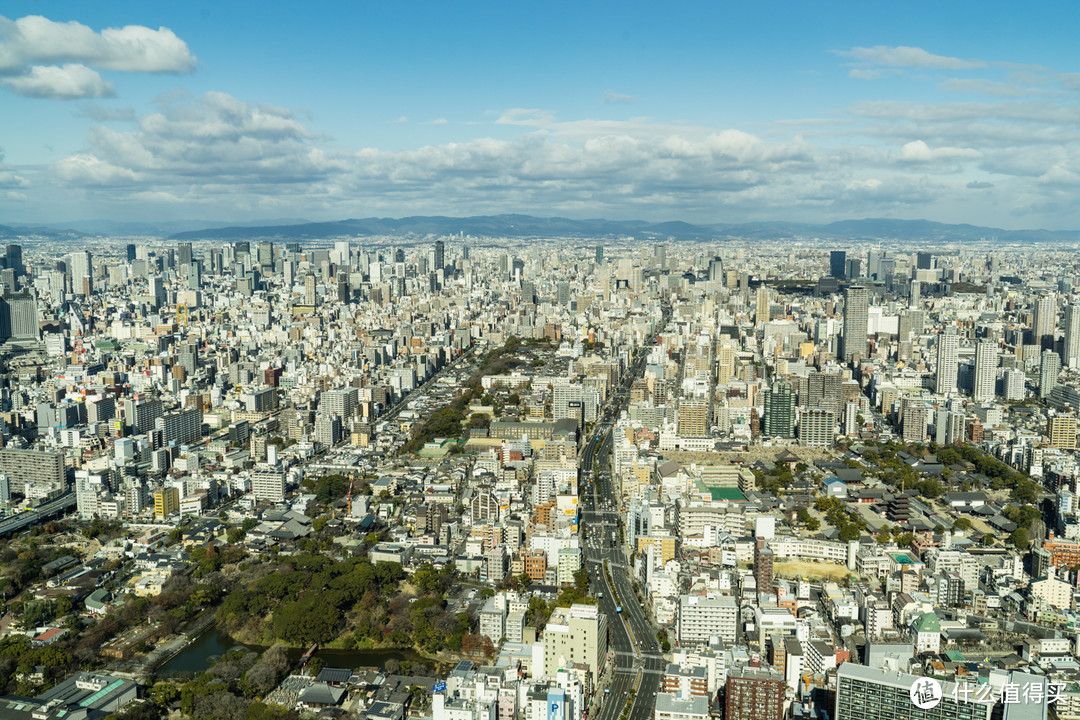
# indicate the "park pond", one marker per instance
pixel 201 653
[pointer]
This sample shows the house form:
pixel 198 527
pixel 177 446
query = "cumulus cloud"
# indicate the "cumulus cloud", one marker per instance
pixel 43 58
pixel 525 116
pixel 64 82
pixel 919 151
pixel 907 57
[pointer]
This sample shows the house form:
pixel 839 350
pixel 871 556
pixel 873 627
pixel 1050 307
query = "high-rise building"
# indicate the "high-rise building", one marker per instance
pixel 166 502
pixel 1062 432
pixel 837 264
pixel 816 427
pixel 856 319
pixel 924 261
pixel 1049 369
pixel 183 252
pixel 866 693
pixel 82 273
pixel 763 566
pixel 754 693
pixel 577 634
pixel 660 256
pixel 599 256
pixel 947 357
pixel 914 291
pixel 309 290
pixel 1013 384
pixel 762 313
pixel 701 618
pixel 986 363
pixel 130 249
pixel 780 411
pixel 1070 354
pixel 1045 321
pixel 268 483
pixel 13 259
pixel 693 418
pixel 440 255
pixel 716 270
pixel 914 420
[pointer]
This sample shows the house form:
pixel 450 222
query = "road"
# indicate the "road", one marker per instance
pixel 638 663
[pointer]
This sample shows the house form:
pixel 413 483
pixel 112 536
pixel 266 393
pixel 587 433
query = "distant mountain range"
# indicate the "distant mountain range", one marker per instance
pixel 528 226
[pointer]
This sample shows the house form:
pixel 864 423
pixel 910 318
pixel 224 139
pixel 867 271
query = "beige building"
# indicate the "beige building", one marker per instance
pixel 1062 432
pixel 577 634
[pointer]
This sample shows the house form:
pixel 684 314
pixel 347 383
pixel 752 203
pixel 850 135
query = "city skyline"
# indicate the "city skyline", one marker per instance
pixel 699 113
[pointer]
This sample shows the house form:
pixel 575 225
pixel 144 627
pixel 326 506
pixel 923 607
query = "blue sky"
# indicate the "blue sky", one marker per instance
pixel 707 112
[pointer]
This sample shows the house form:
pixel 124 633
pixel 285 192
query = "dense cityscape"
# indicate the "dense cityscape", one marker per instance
pixel 458 477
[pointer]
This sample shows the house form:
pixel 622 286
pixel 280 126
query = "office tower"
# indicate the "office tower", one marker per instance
pixel 856 318
pixel 870 693
pixel 754 693
pixel 183 251
pixel 924 261
pixel 914 291
pixel 158 297
pixel 130 252
pixel 660 256
pixel 1071 350
pixel 563 290
pixel 986 362
pixel 599 256
pixel 816 427
pixel 82 273
pixel 837 264
pixel 440 254
pixel 264 252
pixel 853 268
pixel 1045 321
pixel 309 290
pixel 1049 369
pixel 194 275
pixel 13 259
pixel 19 317
pixel 780 411
pixel 343 287
pixel 762 313
pixel 716 270
pixel 947 368
pixel 851 417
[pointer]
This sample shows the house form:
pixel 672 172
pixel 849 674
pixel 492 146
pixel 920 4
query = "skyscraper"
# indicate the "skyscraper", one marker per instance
pixel 856 318
pixel 837 264
pixel 1045 321
pixel 948 349
pixel 762 314
pixel 440 255
pixel 924 261
pixel 1071 351
pixel 780 411
pixel 82 273
pixel 915 290
pixel 183 251
pixel 599 257
pixel 660 256
pixel 986 362
pixel 1049 369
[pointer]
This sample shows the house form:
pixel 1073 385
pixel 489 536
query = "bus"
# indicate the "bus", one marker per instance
pixel 618 609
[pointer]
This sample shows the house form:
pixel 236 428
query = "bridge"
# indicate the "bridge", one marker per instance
pixel 54 508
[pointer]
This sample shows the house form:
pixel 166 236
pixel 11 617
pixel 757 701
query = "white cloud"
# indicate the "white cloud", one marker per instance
pixel 133 48
pixel 66 82
pixel 901 56
pixel 919 151
pixel 525 116
pixel 982 86
pixel 47 59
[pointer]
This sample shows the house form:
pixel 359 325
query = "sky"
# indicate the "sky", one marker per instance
pixel 958 112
